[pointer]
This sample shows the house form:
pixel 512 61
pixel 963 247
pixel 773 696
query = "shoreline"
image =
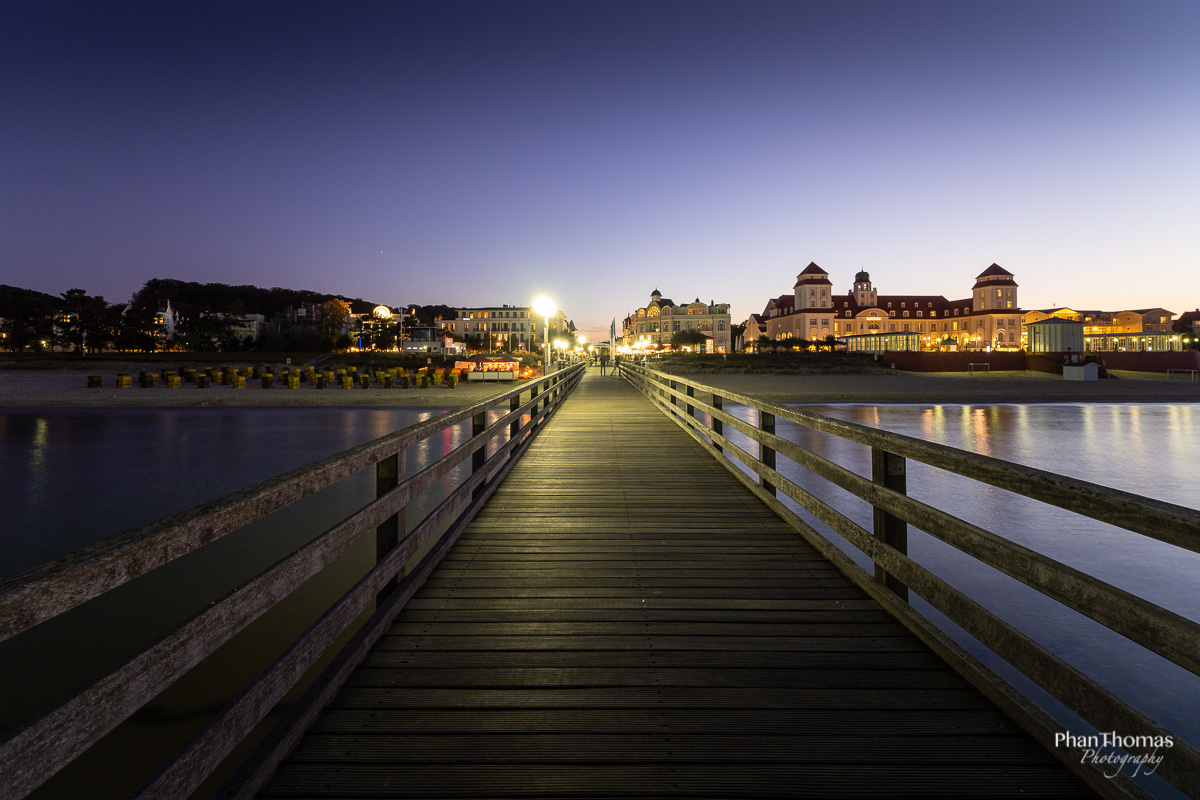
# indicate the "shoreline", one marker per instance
pixel 37 389
pixel 936 388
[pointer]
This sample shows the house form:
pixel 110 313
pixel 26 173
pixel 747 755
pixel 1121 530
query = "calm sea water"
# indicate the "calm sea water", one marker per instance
pixel 74 477
pixel 70 478
pixel 1148 450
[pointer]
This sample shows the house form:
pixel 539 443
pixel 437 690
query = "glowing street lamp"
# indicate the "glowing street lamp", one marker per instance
pixel 544 308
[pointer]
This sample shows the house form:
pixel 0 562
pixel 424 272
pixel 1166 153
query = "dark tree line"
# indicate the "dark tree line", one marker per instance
pixel 34 321
pixel 27 318
pixel 77 321
pixel 192 299
pixel 427 315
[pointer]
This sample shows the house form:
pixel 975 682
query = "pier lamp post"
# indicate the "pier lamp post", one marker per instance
pixel 544 308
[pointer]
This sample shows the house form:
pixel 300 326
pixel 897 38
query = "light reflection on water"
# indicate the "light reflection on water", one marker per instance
pixel 1148 450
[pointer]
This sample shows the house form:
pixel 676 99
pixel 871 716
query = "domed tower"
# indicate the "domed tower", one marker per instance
pixel 864 295
pixel 813 288
pixel 995 289
pixel 655 296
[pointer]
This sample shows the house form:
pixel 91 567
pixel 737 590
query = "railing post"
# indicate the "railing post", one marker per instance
pixel 691 392
pixel 890 471
pixel 478 425
pixel 674 401
pixel 766 424
pixel 388 473
pixel 515 427
pixel 717 425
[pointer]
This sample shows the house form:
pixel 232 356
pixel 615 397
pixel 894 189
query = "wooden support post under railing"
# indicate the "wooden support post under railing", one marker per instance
pixel 514 429
pixel 388 474
pixel 691 392
pixel 890 471
pixel 674 386
pixel 478 426
pixel 766 423
pixel 717 425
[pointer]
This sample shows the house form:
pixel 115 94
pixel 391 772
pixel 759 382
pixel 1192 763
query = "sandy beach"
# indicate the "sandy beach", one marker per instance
pixel 68 389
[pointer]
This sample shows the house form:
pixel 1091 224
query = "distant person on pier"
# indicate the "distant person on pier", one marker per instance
pixel 617 365
pixel 603 363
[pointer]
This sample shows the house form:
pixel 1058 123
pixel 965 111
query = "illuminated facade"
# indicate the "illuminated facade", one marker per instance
pixel 506 327
pixel 990 318
pixel 654 324
pixel 1100 323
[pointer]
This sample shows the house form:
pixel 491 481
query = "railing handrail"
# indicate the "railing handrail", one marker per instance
pixel 43 591
pixel 1162 631
pixel 42 747
pixel 1167 522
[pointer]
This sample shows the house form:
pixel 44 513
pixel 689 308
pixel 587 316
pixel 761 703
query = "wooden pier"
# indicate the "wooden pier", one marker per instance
pixel 612 590
pixel 625 618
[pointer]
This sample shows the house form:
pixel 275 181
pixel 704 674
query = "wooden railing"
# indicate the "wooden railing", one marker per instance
pixel 1164 632
pixel 41 748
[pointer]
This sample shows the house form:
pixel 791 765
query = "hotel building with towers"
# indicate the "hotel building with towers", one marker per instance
pixel 989 319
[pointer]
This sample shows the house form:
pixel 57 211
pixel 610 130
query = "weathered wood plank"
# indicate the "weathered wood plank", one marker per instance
pixel 534 748
pixel 765 679
pixel 383 658
pixel 673 778
pixel 665 697
pixel 721 722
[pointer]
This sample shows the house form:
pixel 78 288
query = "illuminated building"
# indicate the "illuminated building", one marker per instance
pixel 989 318
pixel 654 324
pixel 506 327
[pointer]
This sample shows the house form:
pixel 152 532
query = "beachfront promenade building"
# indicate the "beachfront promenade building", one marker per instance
pixel 1096 323
pixel 1142 329
pixel 654 324
pixel 989 319
pixel 506 328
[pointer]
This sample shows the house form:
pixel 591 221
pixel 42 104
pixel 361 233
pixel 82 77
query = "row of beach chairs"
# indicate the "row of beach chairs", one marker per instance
pixel 288 377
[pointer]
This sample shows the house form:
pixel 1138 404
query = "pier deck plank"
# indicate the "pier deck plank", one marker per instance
pixel 625 619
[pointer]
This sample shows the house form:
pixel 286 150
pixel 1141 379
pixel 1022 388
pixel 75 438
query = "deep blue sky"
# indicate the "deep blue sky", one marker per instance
pixel 487 152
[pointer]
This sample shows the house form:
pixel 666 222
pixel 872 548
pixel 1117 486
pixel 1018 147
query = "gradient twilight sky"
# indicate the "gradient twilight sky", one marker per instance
pixel 478 153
